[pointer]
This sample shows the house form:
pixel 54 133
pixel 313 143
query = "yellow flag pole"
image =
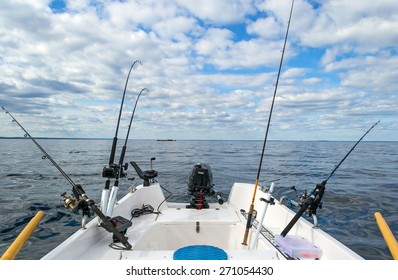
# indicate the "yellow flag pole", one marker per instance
pixel 18 243
pixel 388 236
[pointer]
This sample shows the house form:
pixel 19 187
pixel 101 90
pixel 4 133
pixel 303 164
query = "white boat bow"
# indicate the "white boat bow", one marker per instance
pixel 171 227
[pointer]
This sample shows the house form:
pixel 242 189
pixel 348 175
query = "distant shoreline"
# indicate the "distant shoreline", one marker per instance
pixel 173 140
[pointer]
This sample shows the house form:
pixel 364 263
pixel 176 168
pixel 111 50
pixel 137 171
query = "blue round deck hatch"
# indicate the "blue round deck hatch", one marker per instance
pixel 200 252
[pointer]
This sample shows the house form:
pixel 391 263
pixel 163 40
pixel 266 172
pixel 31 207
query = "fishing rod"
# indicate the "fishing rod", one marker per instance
pixel 313 201
pixel 251 209
pixel 115 188
pixel 79 199
pixel 112 170
pixel 338 165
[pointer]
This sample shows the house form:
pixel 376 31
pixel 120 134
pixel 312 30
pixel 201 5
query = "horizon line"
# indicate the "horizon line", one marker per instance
pixel 171 140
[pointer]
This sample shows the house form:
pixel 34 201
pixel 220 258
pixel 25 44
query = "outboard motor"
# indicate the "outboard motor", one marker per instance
pixel 200 185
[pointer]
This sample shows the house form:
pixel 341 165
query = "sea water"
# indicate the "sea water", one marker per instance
pixel 365 183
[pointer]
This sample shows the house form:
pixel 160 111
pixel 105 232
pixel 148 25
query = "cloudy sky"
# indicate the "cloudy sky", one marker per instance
pixel 210 67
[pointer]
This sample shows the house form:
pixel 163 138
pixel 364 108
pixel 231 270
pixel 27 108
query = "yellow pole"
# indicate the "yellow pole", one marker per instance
pixel 388 236
pixel 18 243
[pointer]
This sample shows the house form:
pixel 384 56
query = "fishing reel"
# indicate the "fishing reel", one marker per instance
pixel 291 201
pixel 70 202
pixel 303 196
pixel 314 197
pixel 75 201
pixel 309 203
pixel 115 171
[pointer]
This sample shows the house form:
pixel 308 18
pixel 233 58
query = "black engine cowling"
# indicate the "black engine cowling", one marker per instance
pixel 200 179
pixel 200 185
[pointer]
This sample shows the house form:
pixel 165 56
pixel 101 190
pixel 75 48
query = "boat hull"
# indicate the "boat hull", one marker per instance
pixel 172 226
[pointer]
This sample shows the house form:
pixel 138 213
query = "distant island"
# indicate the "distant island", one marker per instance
pixel 166 140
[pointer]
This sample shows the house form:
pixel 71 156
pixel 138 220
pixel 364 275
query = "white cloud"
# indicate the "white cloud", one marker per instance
pixel 77 5
pixel 215 41
pixel 374 74
pixel 219 12
pixel 219 48
pixel 130 14
pixel 63 72
pixel 312 81
pixel 365 25
pixel 265 27
pixel 176 28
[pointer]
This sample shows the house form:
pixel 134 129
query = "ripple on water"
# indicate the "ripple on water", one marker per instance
pixel 371 252
pixel 365 183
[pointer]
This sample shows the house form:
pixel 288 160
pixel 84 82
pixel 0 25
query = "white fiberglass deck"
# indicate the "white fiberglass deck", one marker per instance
pixel 157 237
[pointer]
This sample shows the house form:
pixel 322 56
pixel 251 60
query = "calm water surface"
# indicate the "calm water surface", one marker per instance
pixel 365 183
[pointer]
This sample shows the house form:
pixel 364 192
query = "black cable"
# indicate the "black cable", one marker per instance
pixel 170 194
pixel 144 210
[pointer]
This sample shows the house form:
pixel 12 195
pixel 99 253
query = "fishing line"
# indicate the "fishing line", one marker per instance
pixel 251 209
pixel 313 201
pixel 113 150
pixel 46 155
pixel 128 130
pixel 112 170
pixel 113 195
pixel 77 203
pixel 338 165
